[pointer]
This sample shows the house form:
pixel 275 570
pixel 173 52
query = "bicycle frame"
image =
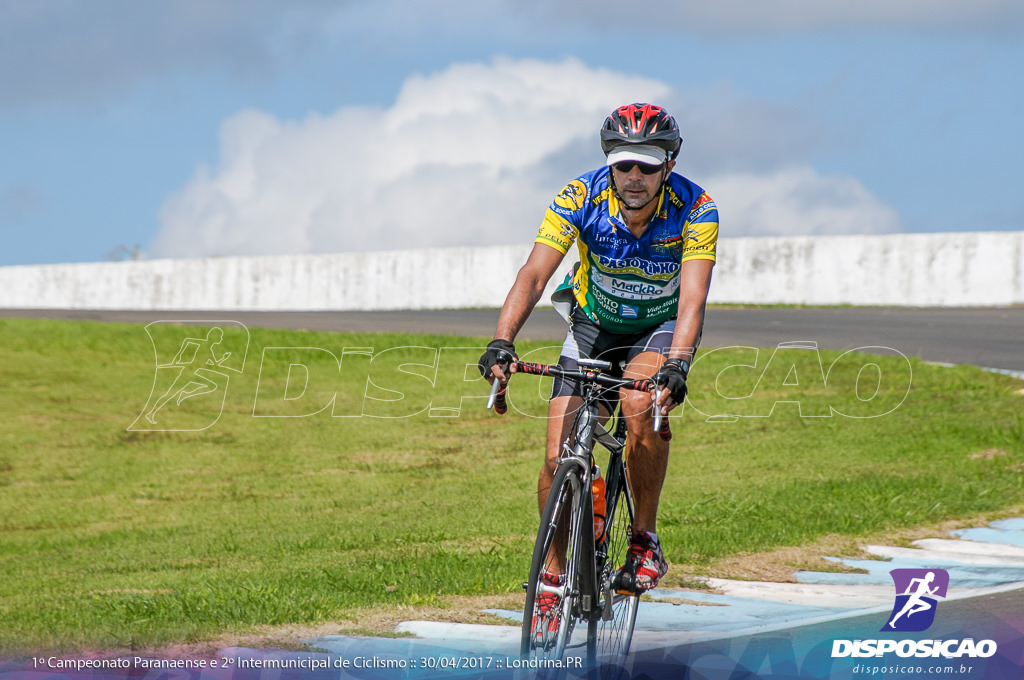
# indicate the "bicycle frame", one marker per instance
pixel 587 594
pixel 583 454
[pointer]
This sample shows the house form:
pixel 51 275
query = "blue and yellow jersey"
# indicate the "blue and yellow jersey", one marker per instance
pixel 627 284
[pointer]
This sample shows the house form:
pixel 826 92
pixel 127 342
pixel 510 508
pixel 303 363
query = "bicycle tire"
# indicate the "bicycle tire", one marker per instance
pixel 566 507
pixel 611 634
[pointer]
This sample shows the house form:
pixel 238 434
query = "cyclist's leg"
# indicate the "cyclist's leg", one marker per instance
pixel 647 452
pixel 647 461
pixel 582 340
pixel 561 410
pixel 565 402
pixel 561 413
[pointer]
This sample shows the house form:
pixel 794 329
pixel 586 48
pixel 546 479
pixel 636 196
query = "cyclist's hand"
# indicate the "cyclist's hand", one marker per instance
pixel 671 377
pixel 490 365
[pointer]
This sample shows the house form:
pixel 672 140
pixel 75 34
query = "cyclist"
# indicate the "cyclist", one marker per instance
pixel 647 240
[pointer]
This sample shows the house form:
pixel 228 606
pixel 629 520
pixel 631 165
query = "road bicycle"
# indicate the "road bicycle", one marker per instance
pixel 588 593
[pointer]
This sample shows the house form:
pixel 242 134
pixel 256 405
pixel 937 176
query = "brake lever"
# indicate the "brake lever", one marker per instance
pixel 657 410
pixel 495 386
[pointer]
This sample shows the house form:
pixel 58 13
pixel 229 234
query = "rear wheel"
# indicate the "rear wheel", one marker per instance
pixel 611 634
pixel 552 610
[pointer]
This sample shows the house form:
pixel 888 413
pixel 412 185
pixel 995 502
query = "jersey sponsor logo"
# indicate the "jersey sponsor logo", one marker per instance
pixel 604 301
pixel 636 265
pixel 702 205
pixel 601 196
pixel 556 230
pixel 629 311
pixel 635 287
pixel 562 243
pixel 706 208
pixel 668 245
pixel 691 251
pixel 663 307
pixel 605 239
pixel 703 199
pixel 674 199
pixel 572 196
pixel 632 289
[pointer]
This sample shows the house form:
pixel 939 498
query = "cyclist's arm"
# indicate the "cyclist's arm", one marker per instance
pixel 526 291
pixel 694 284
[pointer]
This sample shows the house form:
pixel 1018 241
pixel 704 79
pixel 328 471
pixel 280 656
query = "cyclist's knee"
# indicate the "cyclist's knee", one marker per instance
pixel 636 406
pixel 551 458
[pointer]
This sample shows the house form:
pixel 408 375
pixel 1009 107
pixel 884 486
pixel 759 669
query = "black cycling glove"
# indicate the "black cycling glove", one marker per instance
pixel 490 357
pixel 673 377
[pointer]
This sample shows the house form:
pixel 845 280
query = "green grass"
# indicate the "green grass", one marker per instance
pixel 111 537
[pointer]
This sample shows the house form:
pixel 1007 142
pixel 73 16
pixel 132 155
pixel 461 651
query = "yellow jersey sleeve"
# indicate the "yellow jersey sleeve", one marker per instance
pixel 700 233
pixel 557 232
pixel 558 229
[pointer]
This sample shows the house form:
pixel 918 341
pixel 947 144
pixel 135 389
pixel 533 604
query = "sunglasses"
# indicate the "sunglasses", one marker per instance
pixel 627 166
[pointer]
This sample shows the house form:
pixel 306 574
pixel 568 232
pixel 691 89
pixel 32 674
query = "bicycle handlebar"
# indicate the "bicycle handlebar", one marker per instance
pixel 496 400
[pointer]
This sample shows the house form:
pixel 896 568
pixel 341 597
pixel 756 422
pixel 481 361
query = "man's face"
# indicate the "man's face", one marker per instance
pixel 638 183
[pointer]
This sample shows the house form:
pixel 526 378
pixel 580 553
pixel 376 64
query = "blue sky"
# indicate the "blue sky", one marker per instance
pixel 195 128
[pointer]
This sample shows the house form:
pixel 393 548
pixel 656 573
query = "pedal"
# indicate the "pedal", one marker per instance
pixel 624 584
pixel 526 585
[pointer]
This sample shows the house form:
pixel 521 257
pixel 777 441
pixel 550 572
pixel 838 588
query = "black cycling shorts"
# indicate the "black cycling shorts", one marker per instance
pixel 587 340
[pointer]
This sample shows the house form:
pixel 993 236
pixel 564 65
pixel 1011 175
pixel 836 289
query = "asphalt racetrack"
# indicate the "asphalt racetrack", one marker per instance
pixel 986 337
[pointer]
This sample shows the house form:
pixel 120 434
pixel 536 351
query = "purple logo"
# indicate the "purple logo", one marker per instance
pixel 916 593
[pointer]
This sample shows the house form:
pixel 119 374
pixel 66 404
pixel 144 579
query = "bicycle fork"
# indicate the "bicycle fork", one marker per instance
pixel 582 454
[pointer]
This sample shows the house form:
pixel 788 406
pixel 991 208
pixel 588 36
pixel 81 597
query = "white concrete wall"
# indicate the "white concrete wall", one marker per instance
pixel 956 269
pixel 951 269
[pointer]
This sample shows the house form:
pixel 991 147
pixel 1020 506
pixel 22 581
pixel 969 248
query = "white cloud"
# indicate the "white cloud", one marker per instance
pixel 458 159
pixel 797 200
pixel 472 155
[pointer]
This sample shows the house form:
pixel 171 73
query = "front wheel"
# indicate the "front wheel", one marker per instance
pixel 611 634
pixel 552 609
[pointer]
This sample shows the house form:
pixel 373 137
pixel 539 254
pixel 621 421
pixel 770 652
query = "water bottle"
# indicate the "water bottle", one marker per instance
pixel 598 488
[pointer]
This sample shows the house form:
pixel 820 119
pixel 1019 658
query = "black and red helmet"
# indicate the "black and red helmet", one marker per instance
pixel 645 124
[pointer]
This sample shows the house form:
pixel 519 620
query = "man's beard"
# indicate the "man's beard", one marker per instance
pixel 635 203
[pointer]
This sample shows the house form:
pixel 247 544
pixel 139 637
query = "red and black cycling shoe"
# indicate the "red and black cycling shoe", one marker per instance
pixel 547 609
pixel 644 567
